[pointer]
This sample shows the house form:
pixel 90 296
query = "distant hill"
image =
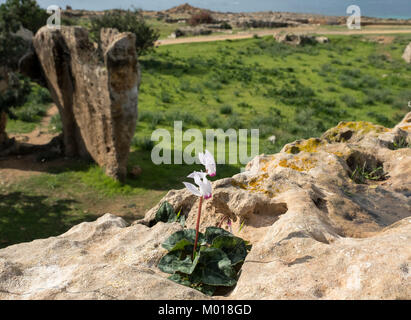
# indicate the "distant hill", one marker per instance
pixel 186 9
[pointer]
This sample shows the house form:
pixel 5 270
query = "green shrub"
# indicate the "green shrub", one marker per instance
pixel 126 21
pixel 374 96
pixel 144 143
pixel 16 94
pixel 377 60
pixel 226 109
pixel 166 97
pixel 214 121
pixel 381 119
pixel 233 122
pixel 245 105
pixel 29 112
pixel 187 118
pixel 350 101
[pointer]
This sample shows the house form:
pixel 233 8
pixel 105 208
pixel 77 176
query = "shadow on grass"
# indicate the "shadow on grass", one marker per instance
pixel 161 177
pixel 27 217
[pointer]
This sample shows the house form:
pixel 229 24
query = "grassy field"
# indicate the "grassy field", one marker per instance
pixel 289 92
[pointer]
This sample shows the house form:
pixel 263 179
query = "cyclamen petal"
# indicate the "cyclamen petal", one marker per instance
pixel 204 189
pixel 208 161
pixel 197 176
pixel 190 187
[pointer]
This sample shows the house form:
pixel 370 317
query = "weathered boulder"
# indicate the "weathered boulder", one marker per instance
pixel 99 260
pixel 322 39
pixel 96 91
pixel 299 39
pixel 295 39
pixel 316 232
pixel 407 54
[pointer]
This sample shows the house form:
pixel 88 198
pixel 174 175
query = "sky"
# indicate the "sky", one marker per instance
pixel 376 8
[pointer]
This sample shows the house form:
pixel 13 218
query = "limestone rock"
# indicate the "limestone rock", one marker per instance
pixel 95 90
pixel 407 54
pixel 99 260
pixel 295 39
pixel 322 39
pixel 316 232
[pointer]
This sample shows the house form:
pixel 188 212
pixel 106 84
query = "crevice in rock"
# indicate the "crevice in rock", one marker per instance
pixel 321 204
pixel 266 214
pixel 365 168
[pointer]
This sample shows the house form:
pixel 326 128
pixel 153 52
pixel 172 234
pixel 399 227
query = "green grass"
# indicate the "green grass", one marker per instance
pixel 289 92
pixel 313 87
pixel 25 118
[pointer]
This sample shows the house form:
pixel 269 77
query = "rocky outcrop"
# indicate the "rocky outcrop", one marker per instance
pixel 407 54
pixel 95 90
pixel 99 260
pixel 299 39
pixel 317 230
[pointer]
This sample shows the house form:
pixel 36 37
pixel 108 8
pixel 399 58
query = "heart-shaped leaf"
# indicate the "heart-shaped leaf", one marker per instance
pixel 173 262
pixel 182 239
pixel 234 247
pixel 213 232
pixel 214 268
pixel 166 213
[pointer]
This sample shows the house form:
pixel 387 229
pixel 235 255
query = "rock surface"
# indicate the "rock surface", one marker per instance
pixel 95 90
pixel 407 54
pixel 299 39
pixel 316 233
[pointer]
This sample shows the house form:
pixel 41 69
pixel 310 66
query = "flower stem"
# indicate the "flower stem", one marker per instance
pixel 198 225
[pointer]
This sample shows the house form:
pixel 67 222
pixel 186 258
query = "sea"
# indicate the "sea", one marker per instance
pixel 400 9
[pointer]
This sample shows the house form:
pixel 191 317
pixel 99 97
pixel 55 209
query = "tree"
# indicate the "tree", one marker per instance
pixel 203 17
pixel 13 15
pixel 126 21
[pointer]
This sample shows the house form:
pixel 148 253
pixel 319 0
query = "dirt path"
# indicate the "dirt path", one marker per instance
pixel 40 135
pixel 15 167
pixel 261 33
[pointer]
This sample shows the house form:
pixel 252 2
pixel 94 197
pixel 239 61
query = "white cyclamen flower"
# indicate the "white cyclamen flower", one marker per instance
pixel 204 188
pixel 208 161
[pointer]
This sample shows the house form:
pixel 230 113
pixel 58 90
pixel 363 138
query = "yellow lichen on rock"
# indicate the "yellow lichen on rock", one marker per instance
pixel 310 145
pixel 346 129
pixel 362 126
pixel 257 184
pixel 298 163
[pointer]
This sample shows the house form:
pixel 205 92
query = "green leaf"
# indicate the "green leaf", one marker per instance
pixel 207 290
pixel 213 232
pixel 214 268
pixel 184 280
pixel 189 235
pixel 234 247
pixel 173 262
pixel 180 279
pixel 165 213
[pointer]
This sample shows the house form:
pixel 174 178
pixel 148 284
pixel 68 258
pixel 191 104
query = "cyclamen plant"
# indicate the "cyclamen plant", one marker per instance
pixel 204 189
pixel 217 256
